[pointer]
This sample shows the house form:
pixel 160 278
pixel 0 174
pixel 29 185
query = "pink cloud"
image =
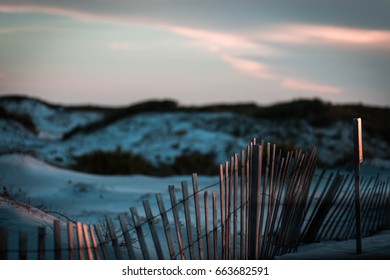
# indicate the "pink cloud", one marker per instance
pixel 47 10
pixel 295 84
pixel 250 67
pixel 328 34
pixel 217 41
pixel 120 46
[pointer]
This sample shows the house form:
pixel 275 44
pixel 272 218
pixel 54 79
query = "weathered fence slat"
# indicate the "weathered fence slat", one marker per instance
pixel 71 254
pixel 153 231
pixel 166 225
pixel 114 238
pixel 3 242
pixel 378 207
pixel 228 203
pixel 335 215
pixel 187 215
pixel 312 232
pixel 57 239
pixel 126 236
pixel 328 221
pixel 41 243
pixel 102 242
pixel 320 198
pixel 174 205
pixel 247 200
pixel 235 203
pixel 94 242
pixel 215 225
pixel 197 215
pixel 207 225
pixel 23 239
pixel 88 242
pixel 80 240
pixel 222 183
pixel 140 233
pixel 254 203
pixel 242 206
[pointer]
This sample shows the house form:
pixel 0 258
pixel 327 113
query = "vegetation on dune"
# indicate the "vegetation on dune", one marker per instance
pixel 121 162
pixel 22 119
pixel 113 115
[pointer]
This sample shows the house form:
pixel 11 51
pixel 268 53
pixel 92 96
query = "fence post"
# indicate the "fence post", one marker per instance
pixel 358 159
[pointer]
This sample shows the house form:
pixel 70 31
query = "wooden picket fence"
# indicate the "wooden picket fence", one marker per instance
pixel 264 205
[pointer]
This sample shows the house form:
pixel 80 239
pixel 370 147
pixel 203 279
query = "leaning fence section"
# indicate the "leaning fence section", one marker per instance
pixel 266 203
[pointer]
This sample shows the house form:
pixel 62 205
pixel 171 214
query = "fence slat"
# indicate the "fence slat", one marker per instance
pixel 323 210
pixel 190 240
pixel 57 239
pixel 71 240
pixel 23 239
pixel 197 215
pixel 41 243
pixel 174 204
pixel 235 202
pixel 166 225
pixel 153 231
pixel 88 242
pixel 207 224
pixel 80 240
pixel 94 242
pixel 215 225
pixel 254 203
pixel 3 242
pixel 126 235
pixel 222 183
pixel 242 207
pixel 228 204
pixel 140 234
pixel 102 242
pixel 114 238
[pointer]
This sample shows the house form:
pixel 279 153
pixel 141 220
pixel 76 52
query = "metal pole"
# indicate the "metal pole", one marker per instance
pixel 358 159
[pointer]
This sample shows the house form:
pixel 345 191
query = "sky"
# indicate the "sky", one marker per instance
pixel 196 52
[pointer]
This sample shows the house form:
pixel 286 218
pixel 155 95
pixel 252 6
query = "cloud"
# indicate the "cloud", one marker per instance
pixel 121 46
pixel 232 47
pixel 216 40
pixel 51 10
pixel 303 85
pixel 318 34
pixel 250 67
